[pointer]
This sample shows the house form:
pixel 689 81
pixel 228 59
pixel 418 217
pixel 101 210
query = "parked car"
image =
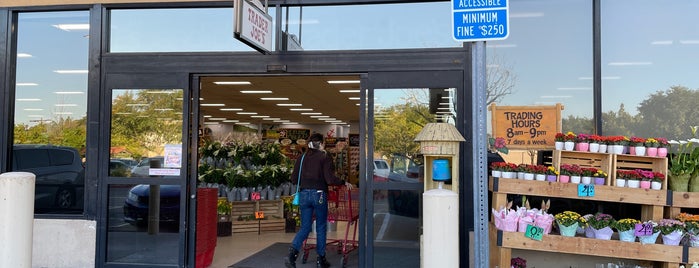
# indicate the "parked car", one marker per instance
pixel 137 203
pixel 381 170
pixel 118 168
pixel 60 176
pixel 141 170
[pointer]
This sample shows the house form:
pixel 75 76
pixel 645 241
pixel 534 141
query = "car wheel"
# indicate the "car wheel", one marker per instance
pixel 65 198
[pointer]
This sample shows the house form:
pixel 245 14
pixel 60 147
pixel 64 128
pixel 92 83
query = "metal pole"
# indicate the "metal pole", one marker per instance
pixel 480 182
pixel 17 218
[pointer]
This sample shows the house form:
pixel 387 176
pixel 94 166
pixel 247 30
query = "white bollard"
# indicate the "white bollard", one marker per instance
pixel 440 225
pixel 17 218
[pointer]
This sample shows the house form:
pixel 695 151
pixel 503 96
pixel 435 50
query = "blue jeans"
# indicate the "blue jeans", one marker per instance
pixel 312 202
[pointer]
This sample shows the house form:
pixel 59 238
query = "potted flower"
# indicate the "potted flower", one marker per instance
pixel 518 263
pixel 633 179
pixel 652 147
pixel 559 139
pixel 600 177
pixel 637 147
pixel 649 239
pixel 601 225
pixel 595 143
pixel 508 170
pixel 583 142
pixel 540 172
pixel 646 177
pixel 496 168
pixel 568 222
pixel 617 143
pixel 662 146
pixel 569 141
pixel 691 223
pixel 656 182
pixel 587 173
pixel 551 173
pixel 626 228
pixel 671 231
pixel 682 164
pixel 573 171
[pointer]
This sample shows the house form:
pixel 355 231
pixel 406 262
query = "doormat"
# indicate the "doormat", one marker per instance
pixel 273 256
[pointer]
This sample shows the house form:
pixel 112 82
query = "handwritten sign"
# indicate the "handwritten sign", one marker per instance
pixel 586 190
pixel 295 133
pixel 255 196
pixel 259 215
pixel 526 127
pixel 534 232
pixel 643 229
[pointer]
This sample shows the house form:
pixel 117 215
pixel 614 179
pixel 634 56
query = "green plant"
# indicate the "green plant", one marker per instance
pixel 567 218
pixel 224 207
pixel 685 160
pixel 601 220
pixel 625 224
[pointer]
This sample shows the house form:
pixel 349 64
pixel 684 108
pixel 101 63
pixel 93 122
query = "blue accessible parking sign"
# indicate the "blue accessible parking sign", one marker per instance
pixel 480 20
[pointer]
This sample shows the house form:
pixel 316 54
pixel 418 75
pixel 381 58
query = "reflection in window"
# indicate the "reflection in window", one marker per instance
pixel 529 69
pixel 649 86
pixel 50 106
pixel 174 30
pixel 146 126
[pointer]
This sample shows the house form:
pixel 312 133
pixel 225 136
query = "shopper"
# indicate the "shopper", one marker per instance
pixel 317 172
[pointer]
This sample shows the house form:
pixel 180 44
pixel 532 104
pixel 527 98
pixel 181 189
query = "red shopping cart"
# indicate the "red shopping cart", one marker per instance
pixel 343 206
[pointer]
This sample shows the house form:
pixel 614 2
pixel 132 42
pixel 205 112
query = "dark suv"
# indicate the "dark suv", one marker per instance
pixel 60 176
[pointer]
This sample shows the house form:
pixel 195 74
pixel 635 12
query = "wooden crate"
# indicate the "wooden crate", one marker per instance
pixel 601 161
pixel 273 212
pixel 261 226
pixel 632 162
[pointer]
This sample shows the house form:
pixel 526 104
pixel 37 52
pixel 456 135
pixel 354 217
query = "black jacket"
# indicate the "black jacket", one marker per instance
pixel 317 171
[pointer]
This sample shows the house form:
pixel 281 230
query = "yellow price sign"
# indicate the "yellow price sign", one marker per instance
pixel 259 215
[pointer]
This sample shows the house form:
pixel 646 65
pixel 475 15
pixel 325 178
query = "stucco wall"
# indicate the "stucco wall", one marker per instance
pixel 64 243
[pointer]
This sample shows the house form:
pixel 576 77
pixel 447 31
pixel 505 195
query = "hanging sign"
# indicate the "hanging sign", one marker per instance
pixel 253 26
pixel 526 127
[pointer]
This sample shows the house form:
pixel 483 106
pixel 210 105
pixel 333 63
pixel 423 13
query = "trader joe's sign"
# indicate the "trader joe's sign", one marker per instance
pixel 526 127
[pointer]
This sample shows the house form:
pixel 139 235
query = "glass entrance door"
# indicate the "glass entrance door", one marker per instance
pixel 398 106
pixel 146 176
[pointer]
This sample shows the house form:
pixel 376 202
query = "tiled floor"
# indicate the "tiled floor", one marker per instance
pixel 232 249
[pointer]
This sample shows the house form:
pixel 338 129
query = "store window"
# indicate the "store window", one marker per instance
pixel 380 26
pixel 50 107
pixel 174 30
pixel 547 59
pixel 649 86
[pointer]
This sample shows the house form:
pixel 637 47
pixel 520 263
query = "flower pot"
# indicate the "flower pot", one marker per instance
pixel 575 179
pixel 564 178
pixel 528 176
pixel 632 150
pixel 604 233
pixel 617 149
pixel 496 173
pixel 594 147
pixel 693 184
pixel 586 180
pixel 679 183
pixel 633 183
pixel 522 224
pixel 652 151
pixel 662 152
pixel 603 148
pixel 627 236
pixel 568 145
pixel 589 232
pixel 656 185
pixel 568 230
pixel 540 177
pixel 640 150
pixel 551 178
pixel 558 145
pixel 520 175
pixel 599 180
pixel 648 239
pixel 507 175
pixel 673 239
pixel 582 146
pixel 620 182
pixel 645 184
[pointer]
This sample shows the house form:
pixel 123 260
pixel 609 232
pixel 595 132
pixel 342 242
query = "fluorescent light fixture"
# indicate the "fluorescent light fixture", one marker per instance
pixel 259 116
pixel 24 55
pixel 334 121
pixel 72 27
pixel 311 113
pixel 210 123
pixel 246 113
pixel 206 116
pixel 289 104
pixel 212 104
pixel 69 92
pixel 290 123
pixel 63 113
pixel 630 63
pixel 320 116
pixel 242 123
pixel 446 97
pixel 66 105
pixel 354 98
pixel 231 121
pixel 338 123
pixel 443 108
pixel 349 90
pixel 26 84
pixel 33 109
pixel 70 71
pixel 217 119
pixel 575 88
pixel 444 103
pixel 343 82
pixel 327 119
pixel 136 104
pixel 28 99
pixel 273 99
pixel 689 42
pixel 164 109
pixel 271 118
pixel 123 113
pixel 282 121
pixel 661 42
pixel 231 109
pixel 232 83
pixel 300 109
pixel 256 91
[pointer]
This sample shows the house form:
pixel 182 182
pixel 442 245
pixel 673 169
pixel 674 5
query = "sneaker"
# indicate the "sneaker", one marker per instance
pixel 290 260
pixel 322 262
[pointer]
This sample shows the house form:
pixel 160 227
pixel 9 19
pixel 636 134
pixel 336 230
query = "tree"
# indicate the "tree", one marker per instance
pixel 395 133
pixel 668 113
pixel 500 80
pixel 618 123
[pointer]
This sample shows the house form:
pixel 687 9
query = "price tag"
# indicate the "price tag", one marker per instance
pixel 643 229
pixel 259 215
pixel 255 196
pixel 534 232
pixel 587 190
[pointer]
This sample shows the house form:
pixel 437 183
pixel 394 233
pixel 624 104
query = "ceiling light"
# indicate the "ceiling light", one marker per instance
pixel 70 71
pixel 274 98
pixel 212 104
pixel 290 123
pixel 282 121
pixel 271 118
pixel 69 92
pixel 24 55
pixel 164 109
pixel 443 108
pixel 349 91
pixel 444 103
pixel 230 109
pixel 259 116
pixel 207 116
pixel 123 113
pixel 256 91
pixel 300 109
pixel 232 83
pixel 66 105
pixel 72 27
pixel 242 123
pixel 343 82
pixel 217 119
pixel 210 123
pixel 354 98
pixel 33 109
pixel 319 116
pixel 26 84
pixel 289 104
pixel 136 104
pixel 230 121
pixel 247 113
pixel 311 113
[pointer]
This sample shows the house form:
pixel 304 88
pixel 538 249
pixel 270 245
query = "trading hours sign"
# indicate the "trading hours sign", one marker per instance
pixel 526 127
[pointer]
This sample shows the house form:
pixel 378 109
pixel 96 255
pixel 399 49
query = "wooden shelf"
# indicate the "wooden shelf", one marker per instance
pixel 570 191
pixel 685 199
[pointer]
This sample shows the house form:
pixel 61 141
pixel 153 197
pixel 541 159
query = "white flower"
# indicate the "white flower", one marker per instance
pixel 694 140
pixel 673 142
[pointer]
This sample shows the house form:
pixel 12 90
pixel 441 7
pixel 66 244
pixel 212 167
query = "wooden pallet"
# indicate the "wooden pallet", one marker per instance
pixel 273 216
pixel 601 161
pixel 261 226
pixel 632 162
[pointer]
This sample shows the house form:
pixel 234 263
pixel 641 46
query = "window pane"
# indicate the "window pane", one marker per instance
pixel 546 59
pixel 649 81
pixel 174 30
pixel 382 26
pixel 50 106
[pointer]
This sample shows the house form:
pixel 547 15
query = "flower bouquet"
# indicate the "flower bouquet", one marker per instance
pixel 506 219
pixel 691 223
pixel 671 230
pixel 626 228
pixel 568 222
pixel 649 239
pixel 601 225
